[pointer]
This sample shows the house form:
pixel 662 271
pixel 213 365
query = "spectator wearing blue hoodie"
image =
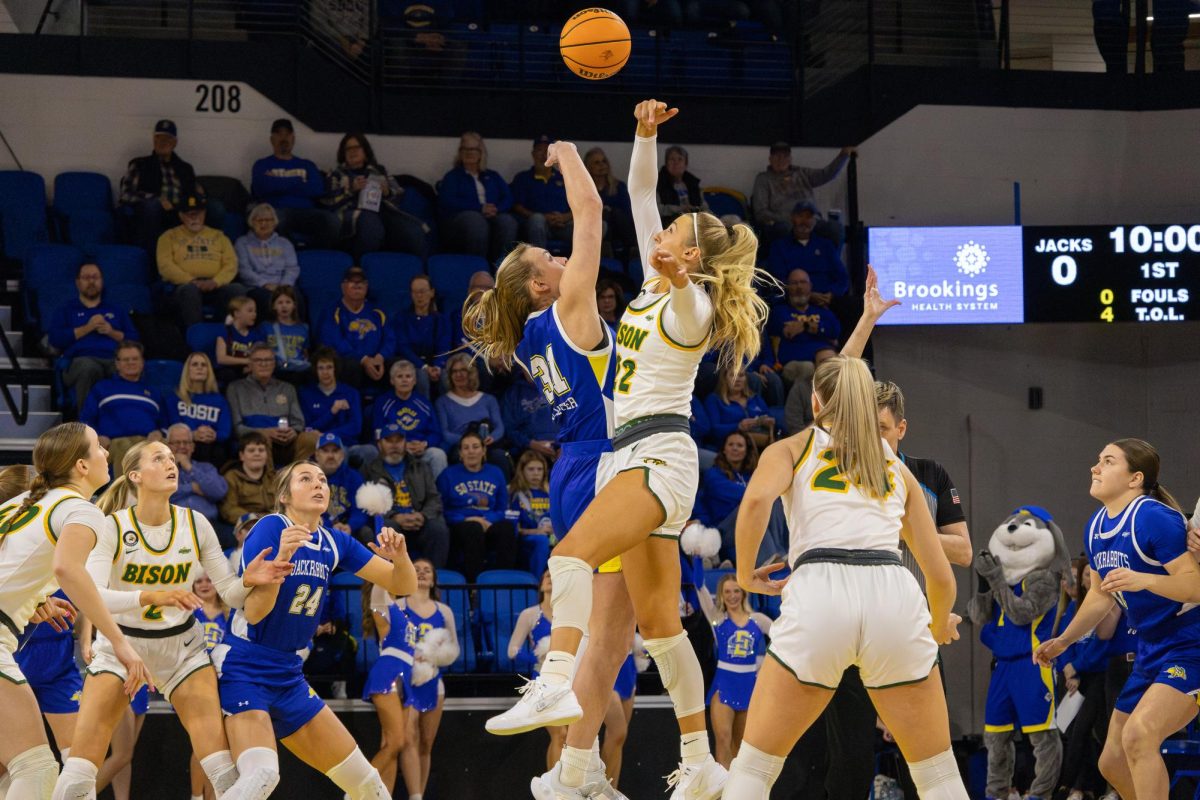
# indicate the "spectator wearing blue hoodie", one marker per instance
pixel 344 482
pixel 474 203
pixel 464 408
pixel 422 334
pixel 330 407
pixel 199 405
pixel 413 412
pixel 125 409
pixel 734 407
pixel 294 186
pixel 358 332
pixel 527 419
pixel 87 331
pixel 475 503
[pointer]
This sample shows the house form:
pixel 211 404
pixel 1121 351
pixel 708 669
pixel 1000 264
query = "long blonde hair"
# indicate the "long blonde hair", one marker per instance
pixel 184 391
pixel 54 457
pixel 122 492
pixel 846 391
pixel 727 256
pixel 495 322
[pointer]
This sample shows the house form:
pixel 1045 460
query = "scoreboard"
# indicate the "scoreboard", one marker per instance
pixel 1012 274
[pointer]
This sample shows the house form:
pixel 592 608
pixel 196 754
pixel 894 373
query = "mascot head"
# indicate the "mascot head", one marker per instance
pixel 1029 540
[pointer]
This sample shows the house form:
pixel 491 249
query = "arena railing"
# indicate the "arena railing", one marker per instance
pixel 10 374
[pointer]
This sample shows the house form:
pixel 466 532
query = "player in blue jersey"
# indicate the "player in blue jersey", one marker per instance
pixel 263 690
pixel 1137 546
pixel 543 313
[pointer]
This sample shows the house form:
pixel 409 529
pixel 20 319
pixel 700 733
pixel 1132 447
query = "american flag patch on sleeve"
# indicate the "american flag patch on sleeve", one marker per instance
pixel 954 497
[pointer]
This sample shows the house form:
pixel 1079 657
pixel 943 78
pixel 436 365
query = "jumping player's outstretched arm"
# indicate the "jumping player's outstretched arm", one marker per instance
pixel 577 292
pixel 643 175
pixel 772 478
pixel 874 307
pixel 920 535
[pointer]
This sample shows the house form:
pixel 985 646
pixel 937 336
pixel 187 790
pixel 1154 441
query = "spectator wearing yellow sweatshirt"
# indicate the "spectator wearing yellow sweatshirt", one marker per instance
pixel 198 263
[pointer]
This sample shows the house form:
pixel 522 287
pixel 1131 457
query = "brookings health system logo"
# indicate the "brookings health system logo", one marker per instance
pixel 972 259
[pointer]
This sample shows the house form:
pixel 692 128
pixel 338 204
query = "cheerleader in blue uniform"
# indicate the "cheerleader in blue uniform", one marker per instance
pixel 527 646
pixel 433 639
pixel 740 640
pixel 214 620
pixel 1137 546
pixel 385 686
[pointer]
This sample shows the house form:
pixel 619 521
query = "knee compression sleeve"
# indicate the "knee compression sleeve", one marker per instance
pixel 77 781
pixel 937 778
pixel 571 598
pixel 358 779
pixel 219 769
pixel 32 773
pixel 680 672
pixel 258 775
pixel 752 774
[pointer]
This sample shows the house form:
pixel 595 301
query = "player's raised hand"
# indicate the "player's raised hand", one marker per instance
pixel 261 572
pixel 667 266
pixel 650 114
pixel 292 539
pixel 874 305
pixel 390 545
pixel 557 150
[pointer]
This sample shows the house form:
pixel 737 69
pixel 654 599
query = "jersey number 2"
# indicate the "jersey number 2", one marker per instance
pixel 829 478
pixel 626 369
pixel 302 603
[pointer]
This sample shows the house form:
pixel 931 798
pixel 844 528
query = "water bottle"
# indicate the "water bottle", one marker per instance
pixel 282 423
pixel 485 430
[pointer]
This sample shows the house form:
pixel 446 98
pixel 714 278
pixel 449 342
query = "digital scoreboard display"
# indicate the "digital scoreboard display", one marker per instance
pixel 1012 274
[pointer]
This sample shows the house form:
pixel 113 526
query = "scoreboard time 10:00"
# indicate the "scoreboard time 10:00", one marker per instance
pixel 1138 273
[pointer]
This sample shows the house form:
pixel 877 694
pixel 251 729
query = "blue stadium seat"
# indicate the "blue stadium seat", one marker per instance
pixel 389 275
pixel 49 279
pixel 451 274
pixel 163 374
pixel 202 338
pixel 321 276
pixel 83 208
pixel 453 591
pixel 499 610
pixel 22 212
pixel 123 264
pixel 133 297
pixel 722 201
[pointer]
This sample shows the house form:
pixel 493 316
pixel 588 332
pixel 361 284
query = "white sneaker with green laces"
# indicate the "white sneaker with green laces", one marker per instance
pixel 541 705
pixel 703 781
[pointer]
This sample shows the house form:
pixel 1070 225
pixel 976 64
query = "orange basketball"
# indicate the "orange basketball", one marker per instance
pixel 594 43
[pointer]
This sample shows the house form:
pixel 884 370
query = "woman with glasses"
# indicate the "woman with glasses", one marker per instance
pixel 474 203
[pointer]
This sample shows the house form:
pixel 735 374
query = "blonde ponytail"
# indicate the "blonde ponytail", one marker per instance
pixel 122 492
pixel 727 270
pixel 846 391
pixel 495 322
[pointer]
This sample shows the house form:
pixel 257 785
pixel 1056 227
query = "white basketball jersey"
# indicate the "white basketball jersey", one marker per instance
pixel 154 558
pixel 824 509
pixel 655 373
pixel 27 549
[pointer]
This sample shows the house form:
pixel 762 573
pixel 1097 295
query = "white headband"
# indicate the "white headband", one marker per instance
pixel 696 231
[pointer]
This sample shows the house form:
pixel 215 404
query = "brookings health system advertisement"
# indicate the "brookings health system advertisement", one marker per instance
pixel 946 276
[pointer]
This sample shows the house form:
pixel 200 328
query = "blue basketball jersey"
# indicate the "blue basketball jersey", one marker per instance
pixel 293 621
pixel 577 383
pixel 1146 535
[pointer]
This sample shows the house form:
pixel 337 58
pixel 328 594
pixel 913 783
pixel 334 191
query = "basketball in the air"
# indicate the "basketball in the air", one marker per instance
pixel 594 43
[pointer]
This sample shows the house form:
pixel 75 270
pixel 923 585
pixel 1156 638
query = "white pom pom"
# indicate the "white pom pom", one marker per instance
pixel 374 498
pixel 438 647
pixel 641 659
pixel 542 647
pixel 698 540
pixel 423 672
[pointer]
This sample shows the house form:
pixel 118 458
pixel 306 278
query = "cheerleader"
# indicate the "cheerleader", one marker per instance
pixel 1137 546
pixel 386 682
pixel 214 621
pixel 530 638
pixel 433 637
pixel 740 637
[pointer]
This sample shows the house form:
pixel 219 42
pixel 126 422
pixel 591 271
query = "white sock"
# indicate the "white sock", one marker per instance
pixel 693 747
pixel 258 775
pixel 358 779
pixel 558 667
pixel 752 774
pixel 937 778
pixel 573 764
pixel 77 781
pixel 595 763
pixel 221 772
pixel 197 797
pixel 416 797
pixel 32 773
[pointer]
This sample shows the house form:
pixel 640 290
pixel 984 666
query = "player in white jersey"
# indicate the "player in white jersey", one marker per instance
pixel 45 536
pixel 849 601
pixel 144 562
pixel 700 296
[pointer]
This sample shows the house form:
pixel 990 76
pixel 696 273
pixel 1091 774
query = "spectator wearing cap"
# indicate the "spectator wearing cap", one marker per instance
pixel 154 186
pixel 266 260
pixel 540 199
pixel 241 530
pixel 294 187
pixel 413 412
pixel 125 409
pixel 417 509
pixel 251 479
pixel 474 203
pixel 678 190
pixel 342 513
pixel 782 185
pixel 329 406
pixel 366 200
pixel 263 404
pixel 816 255
pixel 201 487
pixel 358 332
pixel 87 330
pixel 197 263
